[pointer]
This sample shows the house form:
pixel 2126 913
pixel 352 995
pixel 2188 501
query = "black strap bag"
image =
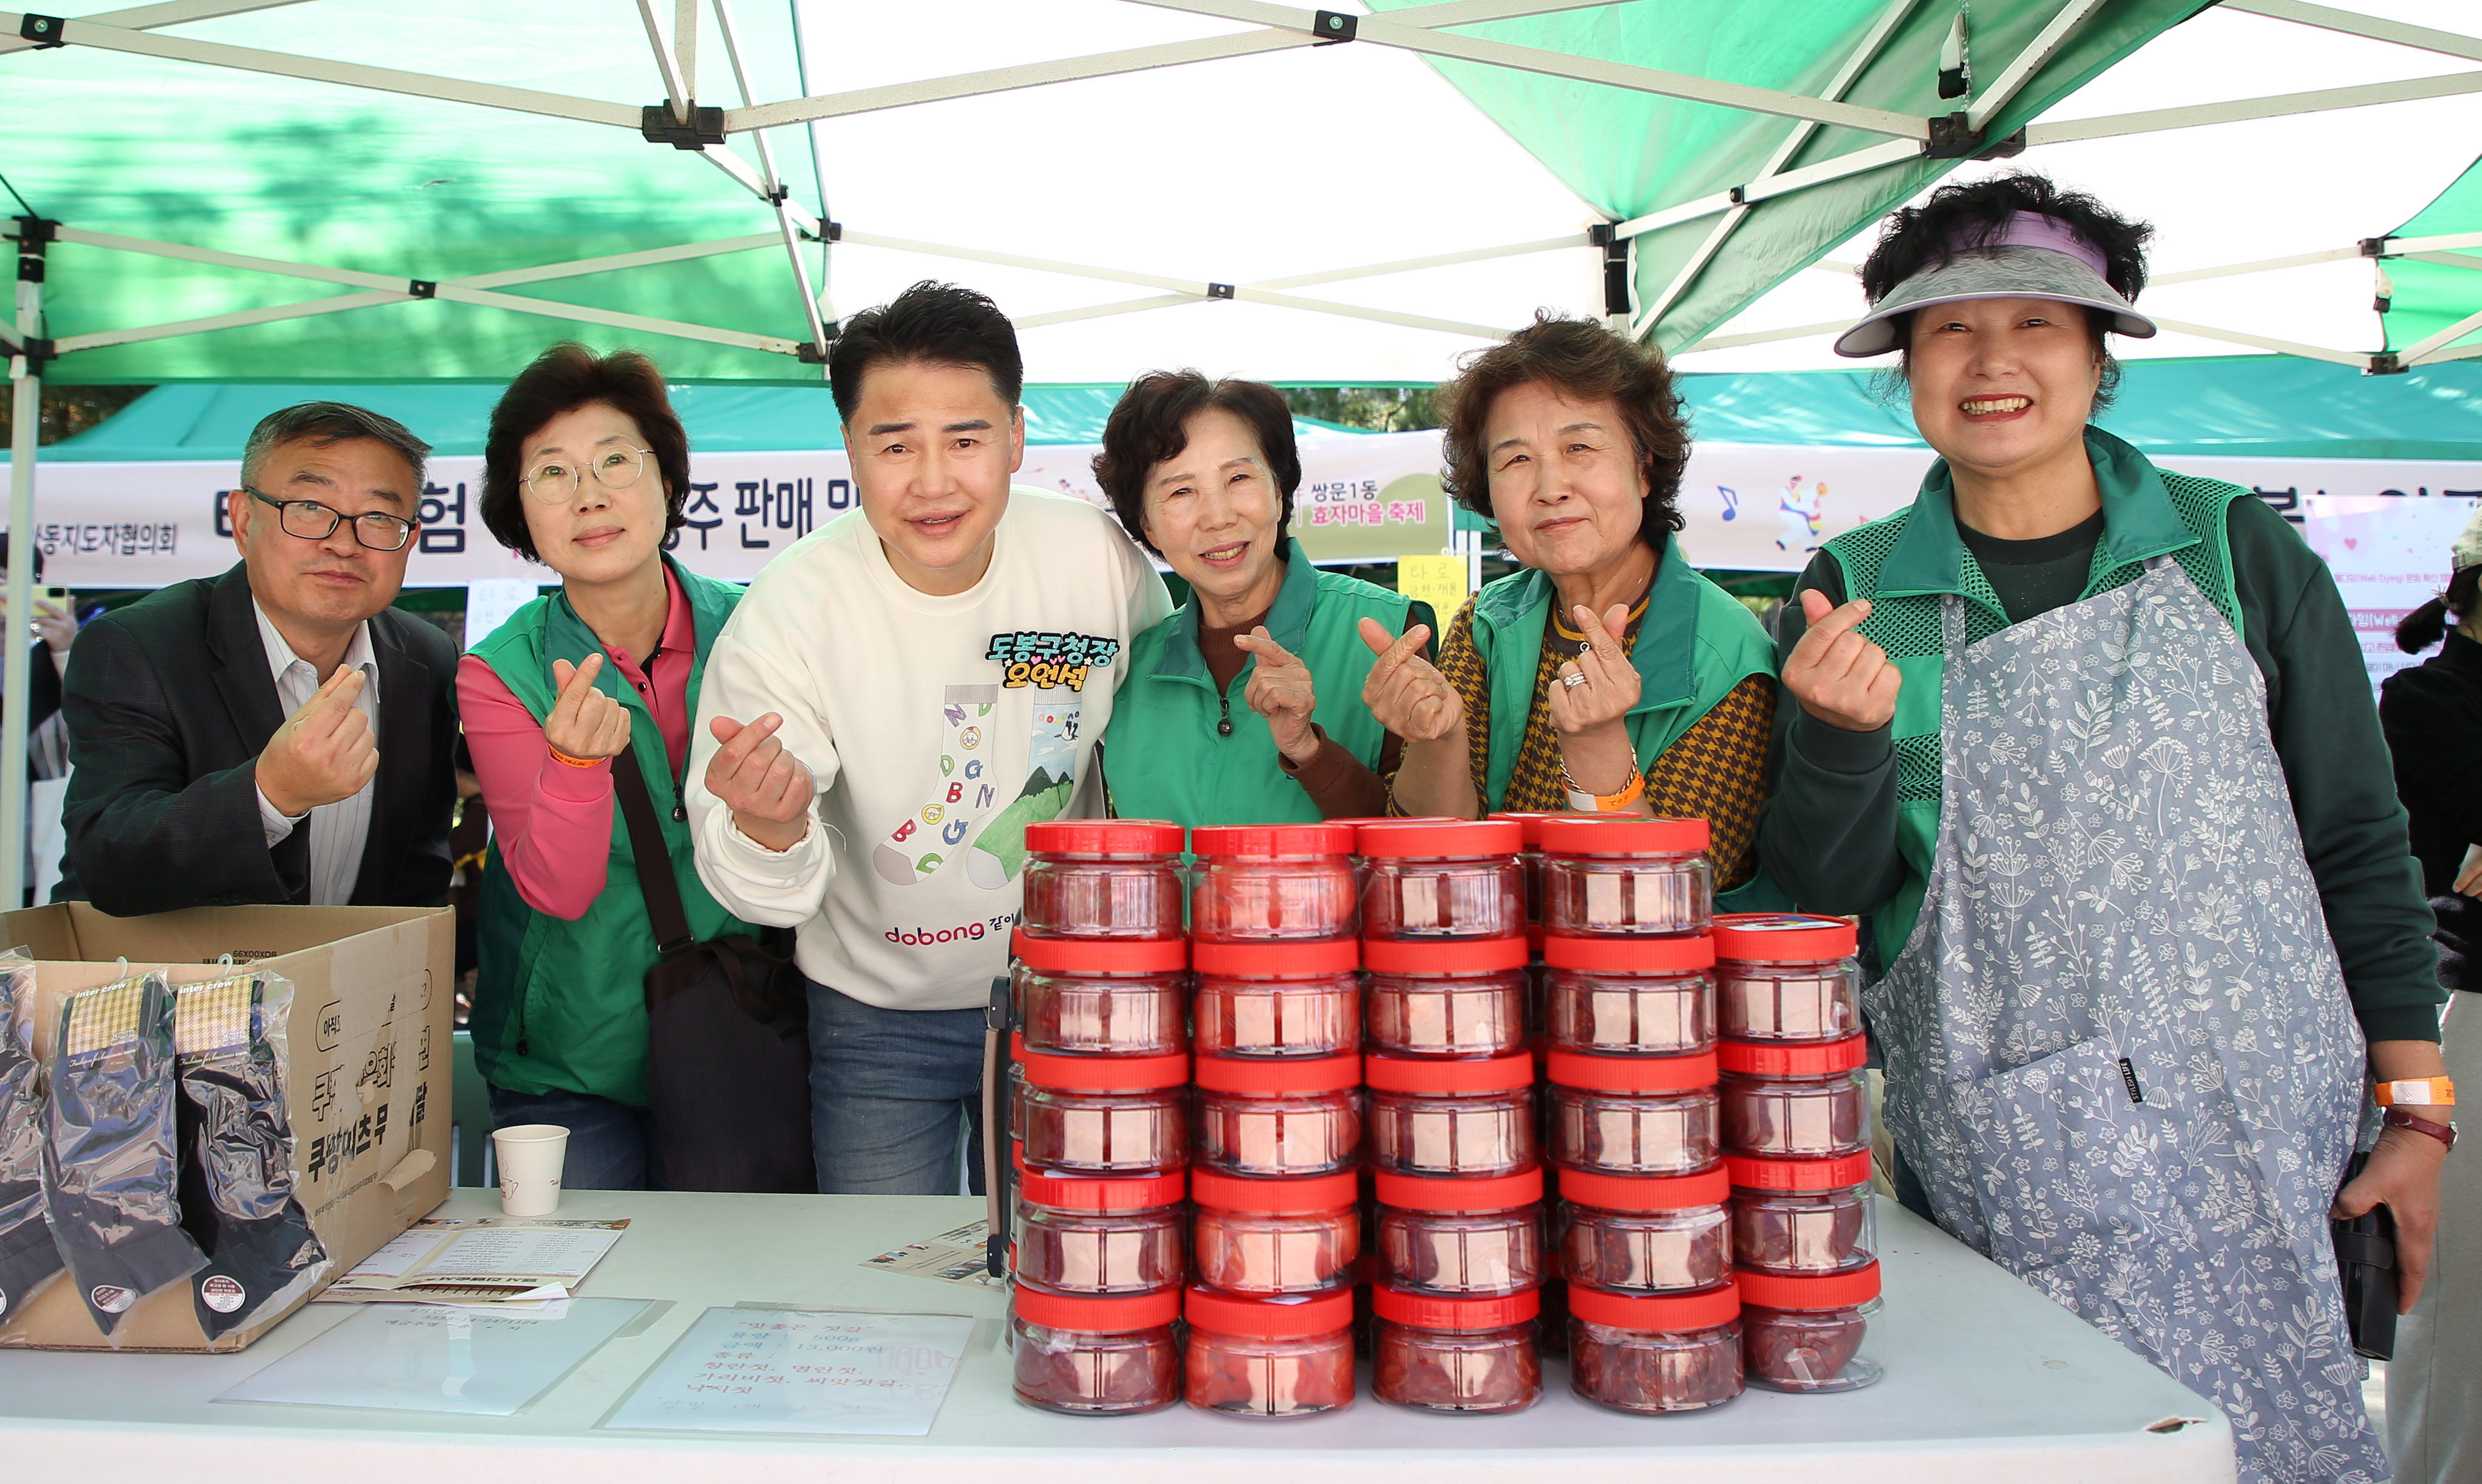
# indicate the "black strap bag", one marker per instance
pixel 728 1035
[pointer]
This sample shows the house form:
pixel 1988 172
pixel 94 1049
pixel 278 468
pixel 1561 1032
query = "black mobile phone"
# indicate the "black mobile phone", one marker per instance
pixel 2366 1257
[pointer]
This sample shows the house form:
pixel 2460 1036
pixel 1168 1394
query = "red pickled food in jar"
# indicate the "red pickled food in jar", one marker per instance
pixel 1787 977
pixel 1456 1354
pixel 1104 998
pixel 1606 875
pixel 1645 1234
pixel 1630 997
pixel 1103 878
pixel 1643 1353
pixel 1633 1116
pixel 1290 1356
pixel 1276 1118
pixel 1529 858
pixel 1461 1236
pixel 1259 1237
pixel 1456 878
pixel 1095 1355
pixel 1273 881
pixel 1278 998
pixel 1802 1216
pixel 1105 1116
pixel 1445 998
pixel 1793 1100
pixel 1451 1117
pixel 1089 1234
pixel 1804 1333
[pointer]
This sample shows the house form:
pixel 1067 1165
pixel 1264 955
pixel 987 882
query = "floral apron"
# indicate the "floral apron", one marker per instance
pixel 2118 1051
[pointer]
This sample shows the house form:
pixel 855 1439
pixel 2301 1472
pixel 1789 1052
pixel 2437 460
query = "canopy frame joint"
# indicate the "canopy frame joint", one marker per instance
pixel 1953 136
pixel 2386 363
pixel 658 126
pixel 421 288
pixel 1327 28
pixel 44 31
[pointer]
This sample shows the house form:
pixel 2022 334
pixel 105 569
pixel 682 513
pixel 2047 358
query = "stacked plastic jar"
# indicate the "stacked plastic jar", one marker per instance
pixel 1101 999
pixel 1797 1139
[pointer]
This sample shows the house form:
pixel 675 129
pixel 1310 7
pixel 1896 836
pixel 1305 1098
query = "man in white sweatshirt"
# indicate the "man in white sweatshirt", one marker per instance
pixel 900 694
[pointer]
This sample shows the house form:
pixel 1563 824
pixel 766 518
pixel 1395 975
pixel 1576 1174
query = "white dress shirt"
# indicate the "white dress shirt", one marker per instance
pixel 337 830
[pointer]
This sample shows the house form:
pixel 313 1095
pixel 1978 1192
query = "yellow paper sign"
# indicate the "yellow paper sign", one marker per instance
pixel 1439 580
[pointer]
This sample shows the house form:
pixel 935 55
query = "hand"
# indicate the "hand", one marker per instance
pixel 1406 692
pixel 584 723
pixel 1280 690
pixel 1610 687
pixel 1838 676
pixel 2403 1176
pixel 767 788
pixel 324 752
pixel 56 624
pixel 2468 875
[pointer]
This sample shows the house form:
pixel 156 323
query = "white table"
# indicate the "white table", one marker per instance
pixel 1986 1381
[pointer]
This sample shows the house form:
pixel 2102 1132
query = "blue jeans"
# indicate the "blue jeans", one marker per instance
pixel 891 1094
pixel 611 1145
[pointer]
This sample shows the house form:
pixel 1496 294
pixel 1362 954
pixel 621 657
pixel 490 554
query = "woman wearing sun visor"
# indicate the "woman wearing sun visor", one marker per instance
pixel 2092 745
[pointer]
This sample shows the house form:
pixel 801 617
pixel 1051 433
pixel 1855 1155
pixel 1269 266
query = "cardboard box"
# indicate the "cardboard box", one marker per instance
pixel 367 1077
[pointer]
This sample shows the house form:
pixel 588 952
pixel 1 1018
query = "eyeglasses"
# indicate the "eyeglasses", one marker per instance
pixel 554 480
pixel 312 521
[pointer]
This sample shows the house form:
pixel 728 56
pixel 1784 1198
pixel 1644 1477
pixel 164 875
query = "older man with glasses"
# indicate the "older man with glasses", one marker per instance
pixel 278 734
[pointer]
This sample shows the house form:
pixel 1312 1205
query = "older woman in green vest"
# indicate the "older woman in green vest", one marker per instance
pixel 585 471
pixel 1242 707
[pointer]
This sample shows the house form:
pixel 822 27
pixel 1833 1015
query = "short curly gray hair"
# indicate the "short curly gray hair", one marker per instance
pixel 323 423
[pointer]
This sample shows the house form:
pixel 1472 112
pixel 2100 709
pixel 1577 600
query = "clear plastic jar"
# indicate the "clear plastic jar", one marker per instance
pixel 1461 1237
pixel 1278 998
pixel 1804 1333
pixel 1256 882
pixel 1257 1238
pixel 1105 1116
pixel 1630 996
pixel 1095 1355
pixel 1529 858
pixel 1270 1357
pixel 1456 1354
pixel 1451 1117
pixel 1279 1119
pixel 1102 878
pixel 1099 1236
pixel 1102 997
pixel 1633 1116
pixel 1645 1234
pixel 1445 998
pixel 1607 876
pixel 1641 1353
pixel 1795 1100
pixel 1786 977
pixel 1453 879
pixel 1801 1216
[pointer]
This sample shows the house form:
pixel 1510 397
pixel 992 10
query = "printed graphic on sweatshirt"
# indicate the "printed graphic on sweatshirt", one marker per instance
pixel 966 793
pixel 1050 775
pixel 1048 662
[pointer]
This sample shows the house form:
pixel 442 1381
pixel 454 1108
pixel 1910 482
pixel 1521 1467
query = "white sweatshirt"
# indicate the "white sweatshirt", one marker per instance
pixel 937 729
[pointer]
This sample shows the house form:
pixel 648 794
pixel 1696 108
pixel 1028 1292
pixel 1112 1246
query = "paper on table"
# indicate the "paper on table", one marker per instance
pixel 490 601
pixel 783 1371
pixel 479 1261
pixel 480 1363
pixel 960 1256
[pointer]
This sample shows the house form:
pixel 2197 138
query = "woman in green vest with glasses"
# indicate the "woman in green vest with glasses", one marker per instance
pixel 1244 707
pixel 2092 743
pixel 585 471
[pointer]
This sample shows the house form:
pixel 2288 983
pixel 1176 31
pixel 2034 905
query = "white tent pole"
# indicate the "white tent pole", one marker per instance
pixel 685 16
pixel 335 304
pixel 1381 315
pixel 2354 23
pixel 617 261
pixel 15 653
pixel 2360 359
pixel 2399 246
pixel 1437 260
pixel 1696 264
pixel 1856 163
pixel 779 196
pixel 676 93
pixel 2461 352
pixel 2442 259
pixel 741 82
pixel 1103 311
pixel 2421 350
pixel 1192 286
pixel 2036 55
pixel 2261 266
pixel 350 277
pixel 1768 336
pixel 147 18
pixel 2279 106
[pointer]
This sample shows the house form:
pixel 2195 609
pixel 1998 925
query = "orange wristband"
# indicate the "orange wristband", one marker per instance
pixel 2418 1092
pixel 559 756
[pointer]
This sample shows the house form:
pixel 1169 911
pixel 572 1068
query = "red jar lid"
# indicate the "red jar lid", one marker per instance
pixel 1105 1073
pixel 1103 837
pixel 1277 960
pixel 1279 1074
pixel 1291 1197
pixel 1089 1192
pixel 1425 1310
pixel 1842 1172
pixel 1419 840
pixel 1091 1316
pixel 1709 1187
pixel 1594 834
pixel 1811 1292
pixel 1283 1317
pixel 1632 1074
pixel 1795 1058
pixel 1528 823
pixel 1100 955
pixel 1457 958
pixel 1784 938
pixel 1686 954
pixel 1222 842
pixel 1447 1192
pixel 1490 1074
pixel 1657 1313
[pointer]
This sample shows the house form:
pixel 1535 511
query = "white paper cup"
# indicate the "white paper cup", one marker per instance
pixel 530 1157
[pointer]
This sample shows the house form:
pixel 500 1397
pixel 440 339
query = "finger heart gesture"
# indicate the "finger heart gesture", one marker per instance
pixel 1280 690
pixel 1599 688
pixel 584 723
pixel 1406 692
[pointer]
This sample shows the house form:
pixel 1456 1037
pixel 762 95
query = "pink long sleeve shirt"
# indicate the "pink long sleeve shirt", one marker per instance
pixel 551 823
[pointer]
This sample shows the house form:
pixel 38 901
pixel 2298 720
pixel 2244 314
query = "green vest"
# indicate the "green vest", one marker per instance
pixel 1905 563
pixel 560 1006
pixel 1163 755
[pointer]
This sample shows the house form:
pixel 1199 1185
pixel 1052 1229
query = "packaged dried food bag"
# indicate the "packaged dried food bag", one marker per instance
pixel 109 1171
pixel 238 1201
pixel 29 1258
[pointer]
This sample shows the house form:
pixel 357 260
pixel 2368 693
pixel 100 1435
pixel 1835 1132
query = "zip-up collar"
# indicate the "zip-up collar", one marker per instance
pixel 1288 621
pixel 1666 653
pixel 2138 522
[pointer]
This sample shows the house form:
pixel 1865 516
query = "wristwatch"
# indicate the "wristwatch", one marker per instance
pixel 2445 1132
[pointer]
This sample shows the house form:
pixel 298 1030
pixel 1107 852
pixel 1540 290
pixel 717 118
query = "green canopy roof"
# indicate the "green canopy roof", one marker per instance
pixel 2438 291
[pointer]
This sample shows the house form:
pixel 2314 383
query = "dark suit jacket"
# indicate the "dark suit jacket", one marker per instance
pixel 170 702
